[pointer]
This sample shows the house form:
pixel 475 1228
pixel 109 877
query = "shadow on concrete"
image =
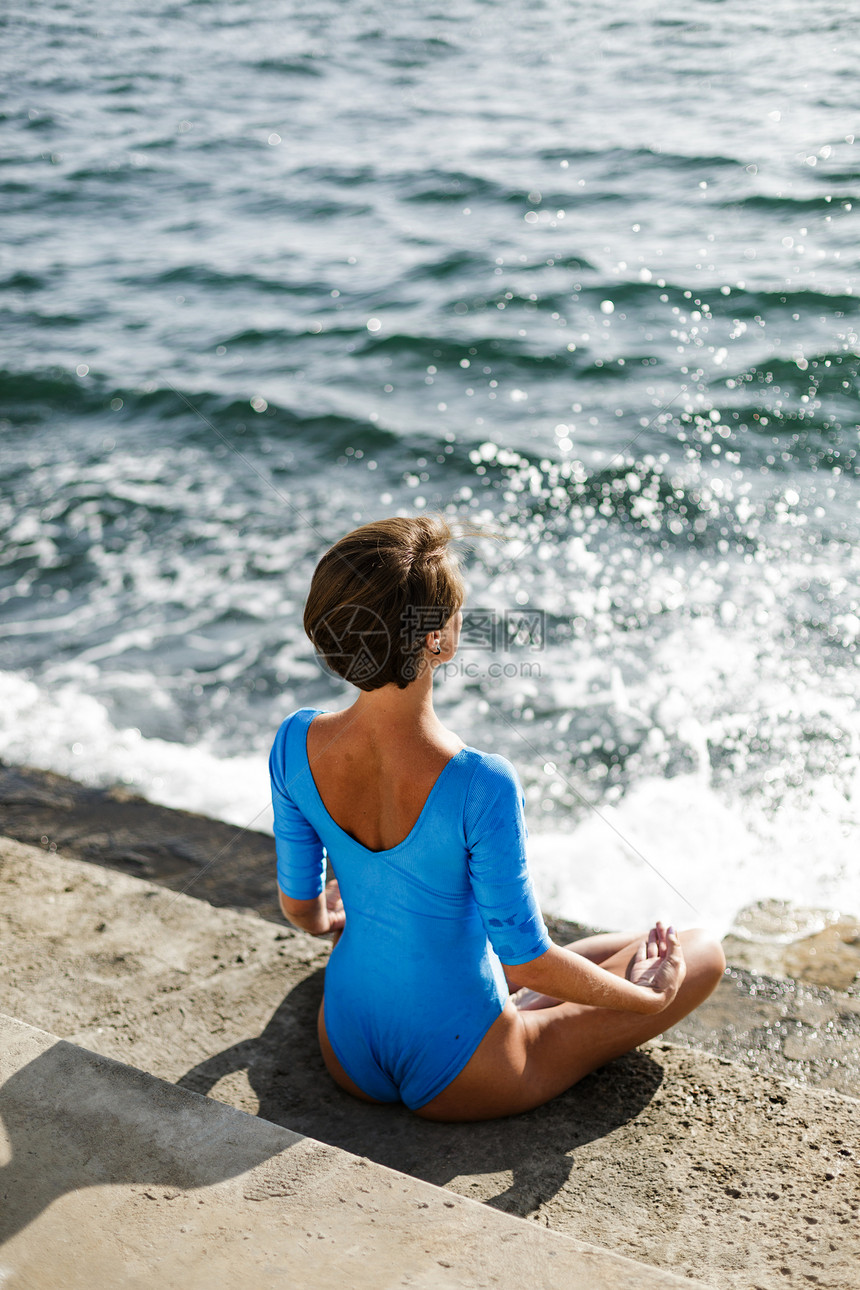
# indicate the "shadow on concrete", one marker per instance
pixel 73 1119
pixel 538 1149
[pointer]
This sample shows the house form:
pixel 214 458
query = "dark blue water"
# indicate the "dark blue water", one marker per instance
pixel 587 276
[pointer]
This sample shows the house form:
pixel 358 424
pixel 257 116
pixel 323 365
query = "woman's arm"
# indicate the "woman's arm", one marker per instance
pixel 325 913
pixel 564 974
pixel 495 831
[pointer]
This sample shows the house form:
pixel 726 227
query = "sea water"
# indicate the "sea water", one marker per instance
pixel 584 275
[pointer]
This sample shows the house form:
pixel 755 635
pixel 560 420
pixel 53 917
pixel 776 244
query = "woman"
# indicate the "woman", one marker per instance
pixel 433 898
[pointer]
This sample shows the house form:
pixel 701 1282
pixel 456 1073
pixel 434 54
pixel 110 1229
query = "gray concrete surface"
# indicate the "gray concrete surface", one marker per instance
pixel 768 1014
pixel 113 1178
pixel 688 1162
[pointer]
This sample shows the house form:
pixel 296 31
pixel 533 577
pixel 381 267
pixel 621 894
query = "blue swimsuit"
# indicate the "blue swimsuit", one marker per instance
pixel 415 981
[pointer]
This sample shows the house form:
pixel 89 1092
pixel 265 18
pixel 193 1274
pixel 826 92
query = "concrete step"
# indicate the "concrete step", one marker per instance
pixel 758 1017
pixel 117 1179
pixel 674 1157
pixel 777 1024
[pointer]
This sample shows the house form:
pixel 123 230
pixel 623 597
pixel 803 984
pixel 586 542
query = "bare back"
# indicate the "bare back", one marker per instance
pixel 374 780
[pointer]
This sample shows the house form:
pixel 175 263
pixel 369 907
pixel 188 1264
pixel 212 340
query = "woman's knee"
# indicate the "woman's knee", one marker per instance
pixel 704 955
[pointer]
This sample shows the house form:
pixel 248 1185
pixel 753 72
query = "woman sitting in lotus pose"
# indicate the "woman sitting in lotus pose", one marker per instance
pixel 443 990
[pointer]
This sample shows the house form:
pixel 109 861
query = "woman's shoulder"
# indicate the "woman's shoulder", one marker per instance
pixel 301 717
pixel 491 772
pixel 294 725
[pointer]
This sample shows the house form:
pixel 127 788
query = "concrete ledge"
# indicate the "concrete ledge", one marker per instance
pixel 115 1178
pixel 670 1157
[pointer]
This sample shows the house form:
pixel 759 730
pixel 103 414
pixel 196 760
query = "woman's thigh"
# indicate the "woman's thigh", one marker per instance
pixel 527 1058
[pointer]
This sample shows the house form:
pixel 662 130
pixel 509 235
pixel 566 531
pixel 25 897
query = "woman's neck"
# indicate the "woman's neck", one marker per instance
pixel 409 709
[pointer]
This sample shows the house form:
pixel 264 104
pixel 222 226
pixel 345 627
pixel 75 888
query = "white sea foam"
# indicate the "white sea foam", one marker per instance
pixel 701 856
pixel 718 854
pixel 68 731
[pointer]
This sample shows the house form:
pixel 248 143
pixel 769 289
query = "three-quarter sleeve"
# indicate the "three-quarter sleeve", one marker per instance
pixel 495 829
pixel 301 856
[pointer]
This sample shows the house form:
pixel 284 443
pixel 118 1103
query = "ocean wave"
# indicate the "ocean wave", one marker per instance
pixel 40 397
pixel 289 66
pixel 502 351
pixel 65 730
pixel 211 277
pixel 331 282
pixel 779 203
pixel 655 157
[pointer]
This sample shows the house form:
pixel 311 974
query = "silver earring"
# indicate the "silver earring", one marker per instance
pixel 438 649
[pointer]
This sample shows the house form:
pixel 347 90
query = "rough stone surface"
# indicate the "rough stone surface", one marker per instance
pixel 681 1159
pixel 782 1025
pixel 116 828
pixel 115 1179
pixel 815 945
pixel 829 957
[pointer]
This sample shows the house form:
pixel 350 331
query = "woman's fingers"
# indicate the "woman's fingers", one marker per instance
pixel 639 957
pixel 672 969
pixel 334 908
pixel 332 895
pixel 658 961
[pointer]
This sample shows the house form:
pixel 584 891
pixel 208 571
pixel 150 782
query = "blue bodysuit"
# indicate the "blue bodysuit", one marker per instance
pixel 415 981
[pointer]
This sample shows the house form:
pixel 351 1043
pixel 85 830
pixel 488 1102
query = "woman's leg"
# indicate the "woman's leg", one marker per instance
pixel 527 1058
pixel 602 945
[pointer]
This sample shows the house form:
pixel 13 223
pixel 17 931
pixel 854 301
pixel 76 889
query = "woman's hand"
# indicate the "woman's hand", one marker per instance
pixel 324 914
pixel 658 963
pixel 335 909
pixel 653 975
